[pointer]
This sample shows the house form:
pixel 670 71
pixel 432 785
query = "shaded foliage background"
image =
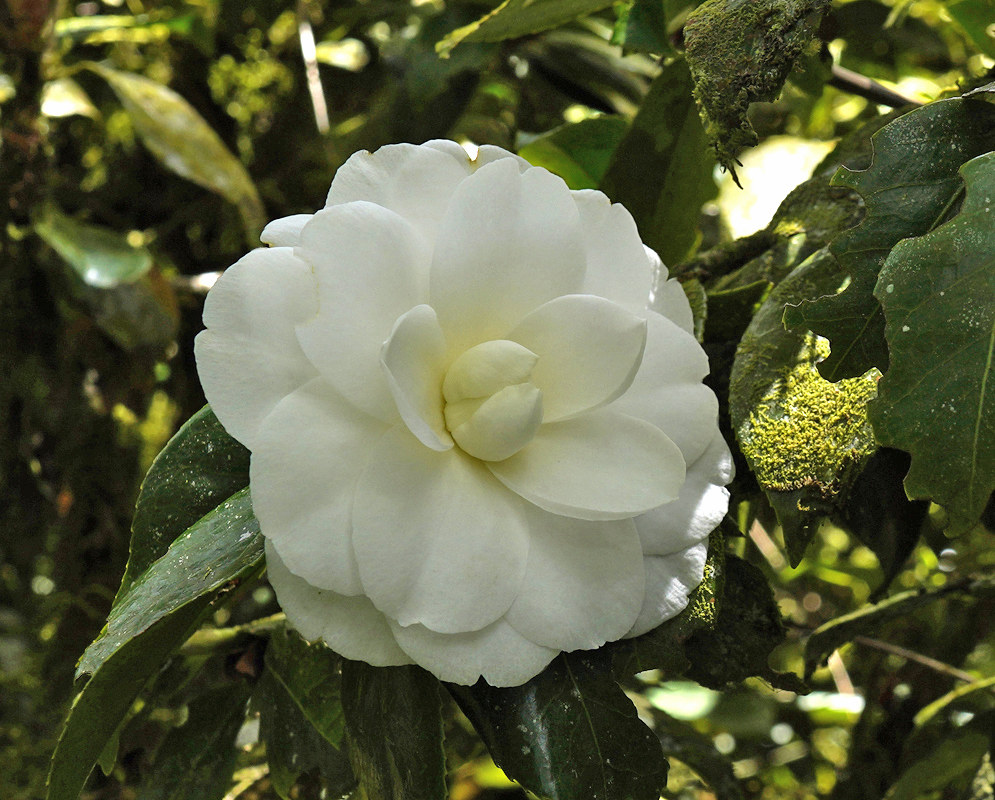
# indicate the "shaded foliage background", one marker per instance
pixel 121 200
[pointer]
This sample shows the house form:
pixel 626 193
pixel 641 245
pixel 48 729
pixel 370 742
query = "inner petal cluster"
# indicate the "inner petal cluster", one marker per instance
pixel 492 407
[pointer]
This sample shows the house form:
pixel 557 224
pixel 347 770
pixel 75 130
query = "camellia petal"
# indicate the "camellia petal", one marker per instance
pixel 286 231
pixel 698 510
pixel 588 349
pixel 374 273
pixel 669 583
pixel 351 626
pixel 248 358
pixel 490 270
pixel 414 182
pixel 413 358
pixel 667 391
pixel 599 466
pixel 429 531
pixel 306 461
pixel 499 654
pixel 618 267
pixel 584 583
pixel 668 296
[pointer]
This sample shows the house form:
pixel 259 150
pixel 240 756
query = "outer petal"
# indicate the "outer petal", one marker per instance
pixel 305 464
pixel 370 266
pixel 589 351
pixel 498 654
pixel 618 266
pixel 669 582
pixel 412 358
pixel 438 541
pixel 600 466
pixel 668 297
pixel 667 391
pixel 286 231
pixel 415 182
pixel 351 626
pixel 509 242
pixel 584 583
pixel 248 359
pixel 698 510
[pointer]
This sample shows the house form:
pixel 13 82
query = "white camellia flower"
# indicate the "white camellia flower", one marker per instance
pixel 474 445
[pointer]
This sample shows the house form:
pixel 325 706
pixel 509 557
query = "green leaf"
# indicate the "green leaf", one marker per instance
pixel 975 18
pixel 578 153
pixel 683 742
pixel 741 53
pixel 196 760
pixel 926 713
pixel 937 401
pixel 955 759
pixel 730 311
pixel 198 469
pixel 805 438
pixel 908 190
pixel 570 732
pixel 394 728
pixel 301 719
pixel 869 619
pixel 221 549
pixel 105 700
pixel 642 26
pixel 662 170
pixel 146 626
pixel 514 18
pixel 747 629
pixel 185 144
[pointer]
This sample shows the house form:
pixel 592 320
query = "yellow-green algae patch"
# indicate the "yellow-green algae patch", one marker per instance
pixel 806 432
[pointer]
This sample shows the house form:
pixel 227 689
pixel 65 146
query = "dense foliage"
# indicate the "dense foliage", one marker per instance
pixel 841 642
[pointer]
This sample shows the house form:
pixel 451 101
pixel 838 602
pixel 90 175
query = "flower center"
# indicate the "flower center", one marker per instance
pixel 492 407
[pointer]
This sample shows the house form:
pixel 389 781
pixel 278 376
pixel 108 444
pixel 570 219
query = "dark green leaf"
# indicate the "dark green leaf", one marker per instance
pixel 223 548
pixel 514 18
pixel 662 170
pixel 642 26
pixel 103 258
pixel 105 700
pixel 570 732
pixel 300 714
pixel 747 629
pixel 937 401
pixel 871 618
pixel 198 469
pixel 908 189
pixel 880 514
pixel 954 760
pixel 684 743
pixel 196 760
pixel 731 310
pixel 804 438
pixel 741 53
pixel 394 729
pixel 185 144
pixel 578 153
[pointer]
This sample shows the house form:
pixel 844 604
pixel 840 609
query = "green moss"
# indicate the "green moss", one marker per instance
pixel 808 432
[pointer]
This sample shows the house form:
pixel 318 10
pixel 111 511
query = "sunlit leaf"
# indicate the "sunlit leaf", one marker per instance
pixel 908 189
pixel 394 728
pixel 63 97
pixel 184 143
pixel 197 470
pixel 514 18
pixel 578 153
pixel 741 53
pixel 569 732
pixel 196 760
pixel 662 170
pixel 937 401
pixel 301 720
pixel 805 438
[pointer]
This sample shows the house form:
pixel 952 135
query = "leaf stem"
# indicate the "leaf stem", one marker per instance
pixel 847 80
pixel 919 658
pixel 211 640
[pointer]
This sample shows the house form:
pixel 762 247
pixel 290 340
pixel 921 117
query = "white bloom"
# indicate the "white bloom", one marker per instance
pixel 473 445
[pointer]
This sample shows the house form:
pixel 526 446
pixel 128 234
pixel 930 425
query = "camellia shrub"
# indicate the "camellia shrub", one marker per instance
pixel 514 453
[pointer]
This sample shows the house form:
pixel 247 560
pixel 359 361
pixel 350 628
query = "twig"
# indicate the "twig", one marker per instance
pixel 211 640
pixel 847 80
pixel 919 658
